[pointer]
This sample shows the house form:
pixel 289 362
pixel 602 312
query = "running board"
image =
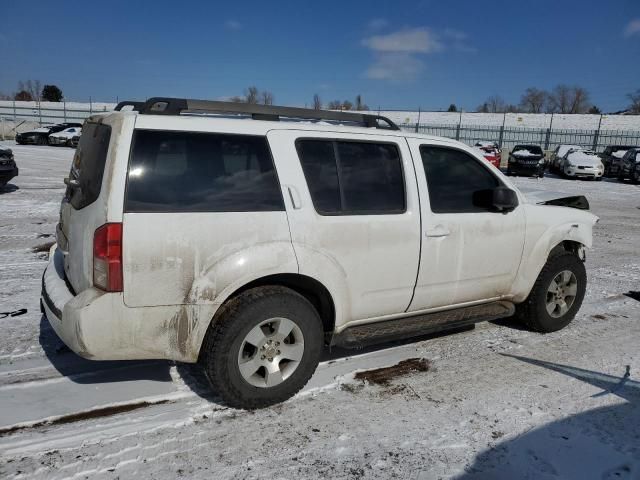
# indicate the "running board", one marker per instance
pixel 417 325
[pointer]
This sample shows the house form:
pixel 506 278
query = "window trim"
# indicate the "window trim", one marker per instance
pixel 130 156
pixel 483 163
pixel 342 213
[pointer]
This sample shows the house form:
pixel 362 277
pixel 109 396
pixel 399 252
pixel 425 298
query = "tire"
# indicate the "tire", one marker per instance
pixel 635 176
pixel 534 312
pixel 230 339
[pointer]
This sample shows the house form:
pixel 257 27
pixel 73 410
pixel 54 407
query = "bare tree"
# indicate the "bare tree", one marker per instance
pixel 335 105
pixel 251 95
pixel 493 104
pixel 317 102
pixel 635 101
pixel 579 100
pixel 266 97
pixel 347 105
pixel 533 100
pixel 568 99
pixel 4 96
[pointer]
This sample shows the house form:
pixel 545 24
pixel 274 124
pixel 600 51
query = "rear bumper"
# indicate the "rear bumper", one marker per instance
pixel 98 325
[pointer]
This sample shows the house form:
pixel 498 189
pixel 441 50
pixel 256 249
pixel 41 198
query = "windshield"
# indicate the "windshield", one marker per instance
pixel 531 149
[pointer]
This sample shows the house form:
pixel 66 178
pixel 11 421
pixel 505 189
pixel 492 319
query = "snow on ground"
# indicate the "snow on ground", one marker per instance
pixel 497 401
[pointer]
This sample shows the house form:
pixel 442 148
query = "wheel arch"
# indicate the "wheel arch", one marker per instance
pixel 311 289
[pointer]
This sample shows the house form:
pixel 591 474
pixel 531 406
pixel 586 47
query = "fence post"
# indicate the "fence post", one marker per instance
pixel 596 135
pixel 64 108
pixel 90 107
pixel 40 112
pixel 501 136
pixel 548 137
pixel 458 127
pixel 418 122
pixel 14 111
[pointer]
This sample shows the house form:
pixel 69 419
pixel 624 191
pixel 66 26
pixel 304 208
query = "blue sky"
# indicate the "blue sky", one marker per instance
pixel 396 54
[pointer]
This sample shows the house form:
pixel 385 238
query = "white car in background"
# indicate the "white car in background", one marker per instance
pixel 558 156
pixel 582 164
pixel 64 137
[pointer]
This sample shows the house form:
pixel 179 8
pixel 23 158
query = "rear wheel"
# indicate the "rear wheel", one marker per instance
pixel 557 294
pixel 263 347
pixel 635 176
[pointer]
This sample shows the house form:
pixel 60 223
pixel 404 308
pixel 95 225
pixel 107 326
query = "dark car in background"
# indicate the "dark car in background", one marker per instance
pixel 40 136
pixel 8 168
pixel 612 158
pixel 630 165
pixel 526 160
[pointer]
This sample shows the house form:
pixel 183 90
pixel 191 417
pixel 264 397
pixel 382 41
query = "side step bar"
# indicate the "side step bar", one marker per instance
pixel 417 325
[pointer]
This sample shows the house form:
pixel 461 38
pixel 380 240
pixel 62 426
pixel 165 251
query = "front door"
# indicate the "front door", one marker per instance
pixel 469 253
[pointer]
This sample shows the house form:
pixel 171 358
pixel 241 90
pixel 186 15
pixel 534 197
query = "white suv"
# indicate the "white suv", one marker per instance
pixel 214 232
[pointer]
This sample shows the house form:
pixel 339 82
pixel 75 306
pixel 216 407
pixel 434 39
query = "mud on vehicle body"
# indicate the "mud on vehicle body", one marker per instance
pixel 248 244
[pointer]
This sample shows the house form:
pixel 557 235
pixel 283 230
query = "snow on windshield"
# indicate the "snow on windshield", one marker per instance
pixel 618 153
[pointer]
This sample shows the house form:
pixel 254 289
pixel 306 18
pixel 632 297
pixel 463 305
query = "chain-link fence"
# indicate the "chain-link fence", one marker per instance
pixel 547 138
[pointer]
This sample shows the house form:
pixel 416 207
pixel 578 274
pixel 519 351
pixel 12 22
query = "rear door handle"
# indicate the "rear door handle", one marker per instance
pixel 295 197
pixel 437 231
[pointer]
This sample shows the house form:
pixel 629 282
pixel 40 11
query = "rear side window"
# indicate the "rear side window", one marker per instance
pixel 88 164
pixel 453 177
pixel 201 172
pixel 353 178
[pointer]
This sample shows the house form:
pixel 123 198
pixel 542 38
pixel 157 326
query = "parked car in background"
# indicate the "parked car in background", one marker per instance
pixel 64 137
pixel 611 158
pixel 490 151
pixel 582 164
pixel 40 136
pixel 526 160
pixel 558 154
pixel 630 165
pixel 8 168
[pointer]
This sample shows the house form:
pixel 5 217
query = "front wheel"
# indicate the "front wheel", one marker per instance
pixel 263 347
pixel 557 294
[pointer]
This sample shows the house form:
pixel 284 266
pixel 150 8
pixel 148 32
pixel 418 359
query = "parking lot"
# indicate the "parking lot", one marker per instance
pixel 495 401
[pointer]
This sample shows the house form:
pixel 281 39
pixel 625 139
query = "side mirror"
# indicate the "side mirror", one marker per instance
pixel 504 199
pixel 499 199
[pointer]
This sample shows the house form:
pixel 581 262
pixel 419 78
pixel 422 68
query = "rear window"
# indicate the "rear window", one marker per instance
pixel 353 178
pixel 88 164
pixel 201 172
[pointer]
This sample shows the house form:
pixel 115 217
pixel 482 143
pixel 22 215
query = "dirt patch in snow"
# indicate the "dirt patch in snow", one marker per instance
pixel 382 376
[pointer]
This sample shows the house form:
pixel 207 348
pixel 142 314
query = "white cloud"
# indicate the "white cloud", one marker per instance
pixel 232 25
pixel 632 28
pixel 415 40
pixel 395 66
pixel 377 23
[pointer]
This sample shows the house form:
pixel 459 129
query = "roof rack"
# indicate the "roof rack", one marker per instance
pixel 177 106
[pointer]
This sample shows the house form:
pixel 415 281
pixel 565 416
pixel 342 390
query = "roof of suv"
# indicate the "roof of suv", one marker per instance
pixel 234 119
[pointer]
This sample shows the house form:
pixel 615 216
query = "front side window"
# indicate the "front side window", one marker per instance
pixel 173 171
pixel 453 178
pixel 353 178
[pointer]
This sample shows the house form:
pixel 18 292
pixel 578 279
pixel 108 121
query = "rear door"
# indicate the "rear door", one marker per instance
pixel 354 215
pixel 202 210
pixel 468 253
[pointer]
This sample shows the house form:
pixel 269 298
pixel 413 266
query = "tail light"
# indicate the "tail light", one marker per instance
pixel 107 257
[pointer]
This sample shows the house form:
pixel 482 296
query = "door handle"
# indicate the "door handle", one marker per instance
pixel 295 197
pixel 437 232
